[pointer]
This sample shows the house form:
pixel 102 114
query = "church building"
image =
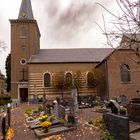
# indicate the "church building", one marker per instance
pixel 35 71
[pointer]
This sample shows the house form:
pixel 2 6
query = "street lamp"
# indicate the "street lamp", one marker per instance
pixel 9 113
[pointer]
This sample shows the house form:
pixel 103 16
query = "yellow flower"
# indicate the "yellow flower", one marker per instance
pixel 46 124
pixel 10 134
pixel 66 117
pixel 43 118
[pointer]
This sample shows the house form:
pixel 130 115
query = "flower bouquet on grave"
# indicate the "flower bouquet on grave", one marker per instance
pixel 43 118
pixel 46 125
pixel 10 133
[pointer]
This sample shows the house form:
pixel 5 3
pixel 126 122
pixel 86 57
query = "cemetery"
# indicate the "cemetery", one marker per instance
pixel 61 117
pixel 70 84
pixel 55 119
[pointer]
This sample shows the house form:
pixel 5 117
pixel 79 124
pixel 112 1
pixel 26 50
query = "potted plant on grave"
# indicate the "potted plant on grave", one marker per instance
pixel 52 118
pixel 29 111
pixel 46 125
pixel 123 111
pixel 43 118
pixel 40 108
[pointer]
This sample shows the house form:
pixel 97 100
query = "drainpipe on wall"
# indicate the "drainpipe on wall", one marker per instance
pixel 106 78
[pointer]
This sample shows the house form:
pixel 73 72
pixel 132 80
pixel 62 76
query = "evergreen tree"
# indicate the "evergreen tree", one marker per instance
pixel 8 72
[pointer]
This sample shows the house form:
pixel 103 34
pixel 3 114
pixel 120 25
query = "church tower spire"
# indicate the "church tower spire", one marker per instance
pixel 26 10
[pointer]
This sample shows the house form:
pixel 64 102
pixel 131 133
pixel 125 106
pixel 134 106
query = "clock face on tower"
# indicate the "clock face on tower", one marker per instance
pixel 24 15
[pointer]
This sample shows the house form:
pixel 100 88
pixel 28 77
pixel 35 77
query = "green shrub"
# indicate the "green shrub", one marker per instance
pixel 123 110
pixel 40 108
pixel 29 111
pixel 99 122
pixel 4 102
pixel 52 117
pixel 62 121
pixel 106 135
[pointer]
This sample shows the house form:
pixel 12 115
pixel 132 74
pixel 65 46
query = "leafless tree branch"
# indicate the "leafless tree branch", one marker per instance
pixel 127 24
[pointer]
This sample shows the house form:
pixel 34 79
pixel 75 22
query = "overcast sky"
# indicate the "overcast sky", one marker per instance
pixel 62 23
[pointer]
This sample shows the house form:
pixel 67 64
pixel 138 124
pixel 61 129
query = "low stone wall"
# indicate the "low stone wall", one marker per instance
pixel 117 125
pixel 133 111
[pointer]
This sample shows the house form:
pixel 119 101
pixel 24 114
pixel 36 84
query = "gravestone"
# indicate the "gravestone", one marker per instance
pixel 73 113
pixel 117 125
pixel 55 109
pixel 67 111
pixel 44 103
pixel 36 99
pixel 74 97
pixel 115 107
pixel 3 127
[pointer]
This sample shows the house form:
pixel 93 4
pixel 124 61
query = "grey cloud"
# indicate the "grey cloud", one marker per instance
pixel 65 26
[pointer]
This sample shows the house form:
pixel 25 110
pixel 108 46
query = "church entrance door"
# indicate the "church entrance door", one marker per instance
pixel 23 94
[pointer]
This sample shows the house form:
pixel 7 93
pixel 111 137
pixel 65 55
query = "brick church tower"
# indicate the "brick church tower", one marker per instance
pixel 25 42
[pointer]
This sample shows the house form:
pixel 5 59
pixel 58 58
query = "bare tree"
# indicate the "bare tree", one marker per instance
pixel 2 45
pixel 77 81
pixel 60 82
pixel 125 26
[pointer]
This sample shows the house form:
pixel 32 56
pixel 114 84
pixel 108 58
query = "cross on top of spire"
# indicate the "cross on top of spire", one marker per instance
pixel 26 10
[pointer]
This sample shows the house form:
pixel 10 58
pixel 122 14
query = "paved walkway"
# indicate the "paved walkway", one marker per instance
pixel 22 132
pixel 134 130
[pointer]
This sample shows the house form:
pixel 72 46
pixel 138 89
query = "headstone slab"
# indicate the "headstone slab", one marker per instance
pixel 52 131
pixel 55 109
pixel 4 126
pixel 117 125
pixel 74 97
pixel 115 107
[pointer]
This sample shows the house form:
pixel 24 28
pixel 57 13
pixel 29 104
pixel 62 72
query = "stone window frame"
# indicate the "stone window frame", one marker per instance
pixel 69 72
pixel 87 80
pixel 50 80
pixel 125 73
pixel 23 31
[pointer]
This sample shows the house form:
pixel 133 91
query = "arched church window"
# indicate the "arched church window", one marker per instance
pixel 47 80
pixel 23 32
pixel 125 73
pixel 90 79
pixel 68 79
